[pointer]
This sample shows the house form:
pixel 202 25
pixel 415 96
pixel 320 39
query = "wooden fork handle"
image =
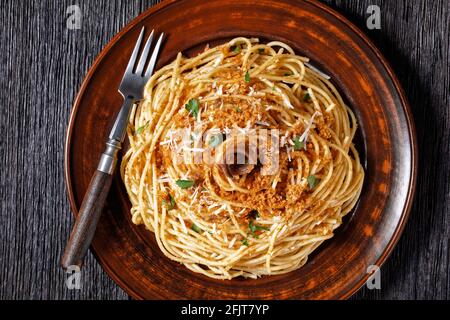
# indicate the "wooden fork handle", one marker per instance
pixel 87 219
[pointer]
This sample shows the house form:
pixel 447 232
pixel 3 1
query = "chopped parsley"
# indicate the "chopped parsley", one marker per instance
pixel 237 49
pixel 196 228
pixel 193 107
pixel 253 228
pixel 312 181
pixel 237 109
pixel 298 144
pixel 185 184
pixel 169 204
pixel 307 97
pixel 288 74
pixel 142 128
pixel 245 242
pixel 247 77
pixel 261 50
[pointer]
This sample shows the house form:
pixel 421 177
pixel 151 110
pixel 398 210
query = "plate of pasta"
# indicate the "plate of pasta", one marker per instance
pixel 272 157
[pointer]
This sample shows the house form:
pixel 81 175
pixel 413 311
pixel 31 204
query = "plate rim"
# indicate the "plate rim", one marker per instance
pixel 387 251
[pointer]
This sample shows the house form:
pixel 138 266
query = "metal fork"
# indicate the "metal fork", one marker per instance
pixel 131 88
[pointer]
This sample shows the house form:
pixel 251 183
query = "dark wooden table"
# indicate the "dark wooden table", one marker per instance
pixel 43 64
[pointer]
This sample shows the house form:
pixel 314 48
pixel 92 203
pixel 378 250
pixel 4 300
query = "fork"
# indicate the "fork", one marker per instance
pixel 132 90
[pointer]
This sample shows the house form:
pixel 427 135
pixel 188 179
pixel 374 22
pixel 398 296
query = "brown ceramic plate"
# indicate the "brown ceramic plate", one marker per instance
pixel 130 255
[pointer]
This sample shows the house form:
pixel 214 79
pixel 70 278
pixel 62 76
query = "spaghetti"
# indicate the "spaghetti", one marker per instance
pixel 265 214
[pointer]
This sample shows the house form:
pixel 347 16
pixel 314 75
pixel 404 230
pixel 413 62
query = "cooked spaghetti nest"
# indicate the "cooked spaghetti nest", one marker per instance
pixel 249 224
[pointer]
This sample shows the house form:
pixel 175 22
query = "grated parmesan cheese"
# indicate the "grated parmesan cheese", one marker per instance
pixel 317 71
pixel 263 123
pixel 305 134
pixel 230 245
pixel 182 223
pixel 330 107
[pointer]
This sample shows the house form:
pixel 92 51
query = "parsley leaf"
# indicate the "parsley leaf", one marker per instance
pixel 298 144
pixel 237 48
pixel 237 109
pixel 251 226
pixel 312 181
pixel 254 227
pixel 247 77
pixel 261 50
pixel 185 184
pixel 169 204
pixel 288 74
pixel 307 97
pixel 245 242
pixel 196 228
pixel 193 107
pixel 140 129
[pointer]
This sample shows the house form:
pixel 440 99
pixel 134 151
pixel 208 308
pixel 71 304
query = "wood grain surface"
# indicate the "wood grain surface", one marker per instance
pixel 43 64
